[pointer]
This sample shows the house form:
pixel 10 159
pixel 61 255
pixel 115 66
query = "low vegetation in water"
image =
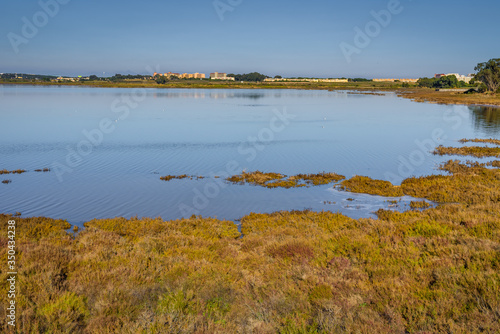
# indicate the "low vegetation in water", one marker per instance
pixel 44 170
pixel 180 177
pixel 436 270
pixel 276 180
pixel 486 141
pixel 318 179
pixel 419 204
pixel 367 185
pixel 17 171
pixel 421 271
pixel 475 151
pixel 470 183
pixel 494 163
pixel 6 181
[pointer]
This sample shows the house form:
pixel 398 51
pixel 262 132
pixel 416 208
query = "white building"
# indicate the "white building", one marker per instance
pixel 460 77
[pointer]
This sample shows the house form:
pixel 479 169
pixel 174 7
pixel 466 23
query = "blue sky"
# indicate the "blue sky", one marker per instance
pixel 290 38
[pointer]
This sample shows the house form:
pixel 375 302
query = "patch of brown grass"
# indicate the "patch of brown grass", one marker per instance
pixel 475 151
pixel 318 179
pixel 276 180
pixel 419 205
pixel 180 177
pixel 17 171
pixel 367 185
pixel 487 141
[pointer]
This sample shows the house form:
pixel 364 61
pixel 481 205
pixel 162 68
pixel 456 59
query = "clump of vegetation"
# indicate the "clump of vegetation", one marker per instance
pixel 276 180
pixel 366 185
pixel 475 151
pixel 318 179
pixel 44 170
pixel 494 163
pixel 488 141
pixel 255 178
pixel 419 205
pixel 6 181
pixel 17 171
pixel 469 183
pixel 180 177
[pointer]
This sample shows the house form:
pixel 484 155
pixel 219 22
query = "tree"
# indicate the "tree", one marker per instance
pixel 278 77
pixel 160 79
pixel 489 74
pixel 254 76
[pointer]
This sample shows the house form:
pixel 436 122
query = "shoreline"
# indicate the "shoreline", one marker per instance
pixel 415 94
pixel 210 272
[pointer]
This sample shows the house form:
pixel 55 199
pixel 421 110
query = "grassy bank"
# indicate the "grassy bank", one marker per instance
pixel 413 93
pixel 421 271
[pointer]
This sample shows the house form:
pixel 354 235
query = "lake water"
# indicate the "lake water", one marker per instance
pixel 107 148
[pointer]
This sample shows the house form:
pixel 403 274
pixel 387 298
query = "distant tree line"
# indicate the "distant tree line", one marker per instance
pixel 254 76
pixel 120 77
pixel 9 76
pixel 358 79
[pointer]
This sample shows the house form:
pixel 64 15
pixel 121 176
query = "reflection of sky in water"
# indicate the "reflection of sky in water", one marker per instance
pixel 177 131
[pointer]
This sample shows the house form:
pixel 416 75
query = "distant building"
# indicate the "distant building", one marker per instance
pixel 192 76
pixel 465 78
pixel 181 76
pixel 220 76
pixel 304 80
pixel 460 77
pixel 394 80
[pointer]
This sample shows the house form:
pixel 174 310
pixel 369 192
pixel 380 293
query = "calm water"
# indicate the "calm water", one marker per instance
pixel 115 170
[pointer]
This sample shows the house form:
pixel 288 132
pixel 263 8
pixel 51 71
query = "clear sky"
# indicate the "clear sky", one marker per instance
pixel 290 38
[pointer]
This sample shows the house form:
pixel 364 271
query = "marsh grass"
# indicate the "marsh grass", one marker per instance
pixel 487 141
pixel 494 163
pixel 419 205
pixel 475 151
pixel 44 170
pixel 17 171
pixel 435 270
pixel 318 179
pixel 6 181
pixel 180 177
pixel 367 185
pixel 276 180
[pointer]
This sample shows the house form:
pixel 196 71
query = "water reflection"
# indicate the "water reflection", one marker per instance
pixel 486 119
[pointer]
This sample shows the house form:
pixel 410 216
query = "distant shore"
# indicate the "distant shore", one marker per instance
pixel 414 93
